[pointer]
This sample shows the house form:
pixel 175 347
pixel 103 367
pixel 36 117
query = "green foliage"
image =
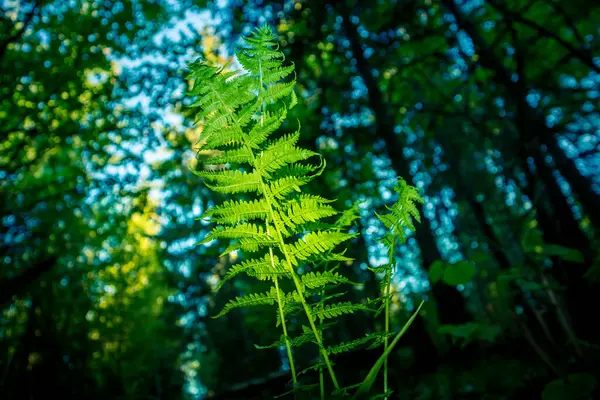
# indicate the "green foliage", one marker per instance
pixel 240 113
pixel 469 332
pixel 453 274
pixel 401 213
pixel 574 386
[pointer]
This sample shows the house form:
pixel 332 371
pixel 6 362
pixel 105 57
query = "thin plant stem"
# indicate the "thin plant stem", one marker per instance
pixel 321 378
pixel 283 325
pixel 388 285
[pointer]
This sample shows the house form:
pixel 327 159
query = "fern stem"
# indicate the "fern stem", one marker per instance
pixel 321 382
pixel 321 378
pixel 283 325
pixel 388 285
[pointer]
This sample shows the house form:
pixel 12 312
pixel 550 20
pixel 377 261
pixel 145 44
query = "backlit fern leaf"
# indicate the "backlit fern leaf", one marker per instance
pixel 316 243
pixel 402 211
pixel 240 231
pixel 300 211
pixel 231 182
pixel 234 212
pixel 337 309
pixel 251 300
pixel 343 347
pixel 316 280
pixel 248 267
pixel 281 153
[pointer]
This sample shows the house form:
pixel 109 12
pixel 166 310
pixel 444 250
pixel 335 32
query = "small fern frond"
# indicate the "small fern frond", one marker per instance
pixel 251 300
pixel 239 231
pixel 317 280
pixel 263 268
pixel 303 210
pixel 234 212
pixel 231 181
pixel 335 310
pixel 250 244
pixel 280 188
pixel 316 243
pixel 343 347
pixel 293 342
pixel 261 132
pixel 402 211
pixel 235 156
pixel 281 153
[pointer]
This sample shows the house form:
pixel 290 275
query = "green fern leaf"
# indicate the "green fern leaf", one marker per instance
pixel 239 231
pixel 402 211
pixel 316 280
pixel 261 131
pixel 234 212
pixel 303 210
pixel 250 244
pixel 251 300
pixel 316 243
pixel 262 268
pixel 376 337
pixel 335 310
pixel 231 182
pixel 281 153
pixel 235 156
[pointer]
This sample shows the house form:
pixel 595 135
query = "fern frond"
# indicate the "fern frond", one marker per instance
pixel 240 113
pixel 236 156
pixel 282 187
pixel 281 153
pixel 262 268
pixel 343 347
pixel 250 244
pixel 251 300
pixel 301 211
pixel 231 181
pixel 335 310
pixel 402 211
pixel 261 132
pixel 316 243
pixel 277 91
pixel 348 216
pixel 239 231
pixel 234 212
pixel 316 280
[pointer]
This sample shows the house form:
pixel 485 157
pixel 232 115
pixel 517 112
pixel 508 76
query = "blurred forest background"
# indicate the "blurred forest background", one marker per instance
pixel 490 107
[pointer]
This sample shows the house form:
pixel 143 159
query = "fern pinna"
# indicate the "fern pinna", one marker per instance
pixel 271 219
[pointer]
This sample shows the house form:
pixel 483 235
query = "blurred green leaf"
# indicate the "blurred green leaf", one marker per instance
pixel 459 273
pixel 574 387
pixel 436 271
